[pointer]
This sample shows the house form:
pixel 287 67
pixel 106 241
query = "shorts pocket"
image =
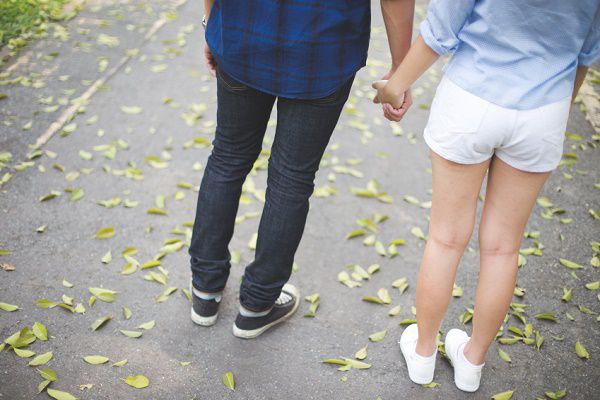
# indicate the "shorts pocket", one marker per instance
pixel 458 110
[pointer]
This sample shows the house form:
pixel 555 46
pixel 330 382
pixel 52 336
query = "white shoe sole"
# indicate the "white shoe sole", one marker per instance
pixel 203 321
pixel 421 380
pixel 251 334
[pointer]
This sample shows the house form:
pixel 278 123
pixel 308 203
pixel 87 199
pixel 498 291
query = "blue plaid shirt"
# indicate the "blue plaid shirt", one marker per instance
pixel 300 49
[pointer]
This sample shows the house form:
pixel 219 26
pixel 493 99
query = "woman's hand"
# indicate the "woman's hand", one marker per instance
pixel 394 105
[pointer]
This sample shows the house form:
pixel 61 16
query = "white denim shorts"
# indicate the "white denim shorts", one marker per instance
pixel 467 129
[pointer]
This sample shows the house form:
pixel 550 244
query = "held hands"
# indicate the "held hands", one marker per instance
pixel 394 105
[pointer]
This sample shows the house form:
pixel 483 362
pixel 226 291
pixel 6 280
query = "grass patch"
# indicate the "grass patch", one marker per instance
pixel 19 18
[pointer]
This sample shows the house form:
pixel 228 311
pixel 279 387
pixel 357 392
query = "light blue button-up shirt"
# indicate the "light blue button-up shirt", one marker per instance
pixel 518 54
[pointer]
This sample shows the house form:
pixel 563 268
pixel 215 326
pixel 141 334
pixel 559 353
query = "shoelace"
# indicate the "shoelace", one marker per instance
pixel 283 299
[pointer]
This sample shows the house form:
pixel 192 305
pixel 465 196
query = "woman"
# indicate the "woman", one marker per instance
pixel 501 109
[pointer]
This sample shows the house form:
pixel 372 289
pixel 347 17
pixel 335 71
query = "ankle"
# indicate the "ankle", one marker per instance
pixel 473 354
pixel 425 349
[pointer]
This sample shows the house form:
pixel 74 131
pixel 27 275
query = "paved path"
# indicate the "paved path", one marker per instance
pixel 123 106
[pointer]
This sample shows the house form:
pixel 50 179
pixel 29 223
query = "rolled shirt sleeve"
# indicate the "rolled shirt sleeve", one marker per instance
pixel 445 19
pixel 590 51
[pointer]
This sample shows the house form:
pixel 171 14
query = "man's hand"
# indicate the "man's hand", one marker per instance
pixel 211 64
pixel 394 105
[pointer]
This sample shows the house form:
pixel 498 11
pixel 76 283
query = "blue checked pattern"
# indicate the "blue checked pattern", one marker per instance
pixel 300 49
pixel 519 54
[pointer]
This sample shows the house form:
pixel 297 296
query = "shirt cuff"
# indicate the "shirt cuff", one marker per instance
pixel 588 58
pixel 430 39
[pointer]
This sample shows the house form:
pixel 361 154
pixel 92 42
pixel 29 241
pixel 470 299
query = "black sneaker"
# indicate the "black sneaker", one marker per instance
pixel 284 307
pixel 204 312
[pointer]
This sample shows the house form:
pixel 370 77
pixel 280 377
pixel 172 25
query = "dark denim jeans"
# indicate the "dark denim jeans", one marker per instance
pixel 304 128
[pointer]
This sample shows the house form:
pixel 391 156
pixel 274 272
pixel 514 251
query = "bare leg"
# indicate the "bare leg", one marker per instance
pixel 455 191
pixel 510 196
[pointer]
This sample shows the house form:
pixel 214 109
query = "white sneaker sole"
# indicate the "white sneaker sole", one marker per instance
pixel 421 380
pixel 203 321
pixel 251 334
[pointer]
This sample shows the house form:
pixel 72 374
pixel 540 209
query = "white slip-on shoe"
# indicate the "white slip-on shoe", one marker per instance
pixel 420 369
pixel 466 375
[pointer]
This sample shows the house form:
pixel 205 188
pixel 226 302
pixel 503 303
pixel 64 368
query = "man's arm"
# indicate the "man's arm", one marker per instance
pixel 398 17
pixel 579 78
pixel 211 64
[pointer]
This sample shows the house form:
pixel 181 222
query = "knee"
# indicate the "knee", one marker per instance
pixel 451 238
pixel 291 180
pixel 229 162
pixel 497 243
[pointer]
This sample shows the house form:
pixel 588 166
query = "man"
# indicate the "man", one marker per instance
pixel 304 54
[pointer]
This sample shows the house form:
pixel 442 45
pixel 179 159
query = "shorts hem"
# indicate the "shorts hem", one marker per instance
pixel 516 165
pixel 433 145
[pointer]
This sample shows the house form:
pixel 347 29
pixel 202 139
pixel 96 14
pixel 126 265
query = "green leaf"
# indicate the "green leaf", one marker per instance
pixel 570 264
pixel 581 351
pixel 593 285
pixel 457 291
pixel 49 196
pixel 417 232
pixel 131 334
pixel 356 233
pixel 48 374
pixel 95 360
pixel 43 385
pixel 334 361
pixel 41 359
pixel 107 258
pixel 371 299
pixel 503 396
pixel 105 295
pixel 120 363
pixel 559 394
pixel 105 233
pixel 504 356
pixel 23 353
pixel 67 284
pixel 131 109
pixel 395 311
pixel 59 395
pixel 147 325
pixel 156 211
pixel 8 307
pixel 384 295
pixel 377 336
pixel 380 249
pixel 567 294
pixel 100 322
pixel 138 381
pixel 544 202
pixel 228 380
pixel 361 354
pixel 39 330
pixel 546 316
pixel 356 364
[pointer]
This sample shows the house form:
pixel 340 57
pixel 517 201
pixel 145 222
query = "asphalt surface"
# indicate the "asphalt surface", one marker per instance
pixel 163 76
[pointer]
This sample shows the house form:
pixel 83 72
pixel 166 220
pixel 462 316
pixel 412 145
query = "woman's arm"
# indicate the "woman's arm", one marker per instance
pixel 579 78
pixel 418 59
